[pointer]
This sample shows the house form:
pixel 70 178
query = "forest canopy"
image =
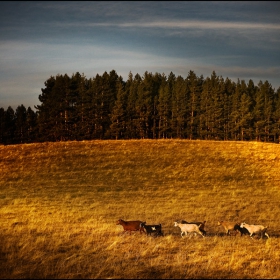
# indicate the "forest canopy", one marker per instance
pixel 152 106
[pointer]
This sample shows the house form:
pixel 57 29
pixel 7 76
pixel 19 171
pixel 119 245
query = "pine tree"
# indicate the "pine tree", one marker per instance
pixel 276 118
pixel 205 112
pixel 145 105
pixel 241 116
pixel 263 111
pixel 268 109
pixel 87 106
pixel 216 107
pixel 229 89
pixel 258 114
pixel 245 117
pixel 21 125
pixel 53 113
pixel 9 130
pixel 32 126
pixel 234 115
pixel 96 90
pixel 131 89
pixel 164 110
pixel 179 109
pixel 44 121
pixel 2 125
pixel 75 94
pixel 107 97
pixel 118 115
pixel 158 79
pixel 194 88
pixel 61 113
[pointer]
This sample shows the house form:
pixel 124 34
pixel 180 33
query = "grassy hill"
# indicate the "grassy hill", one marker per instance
pixel 60 203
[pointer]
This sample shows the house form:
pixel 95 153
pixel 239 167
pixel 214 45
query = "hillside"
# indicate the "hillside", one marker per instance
pixel 60 203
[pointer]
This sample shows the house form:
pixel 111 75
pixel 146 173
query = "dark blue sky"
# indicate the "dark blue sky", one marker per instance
pixel 42 39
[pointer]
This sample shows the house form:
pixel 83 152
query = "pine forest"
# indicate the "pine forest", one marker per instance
pixel 152 106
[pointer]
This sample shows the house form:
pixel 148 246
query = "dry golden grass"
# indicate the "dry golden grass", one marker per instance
pixel 60 203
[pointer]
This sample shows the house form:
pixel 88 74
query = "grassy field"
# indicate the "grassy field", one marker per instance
pixel 59 203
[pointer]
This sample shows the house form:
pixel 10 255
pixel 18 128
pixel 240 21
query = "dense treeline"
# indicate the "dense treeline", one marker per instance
pixel 152 106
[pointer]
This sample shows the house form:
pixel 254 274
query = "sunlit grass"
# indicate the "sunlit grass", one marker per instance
pixel 60 203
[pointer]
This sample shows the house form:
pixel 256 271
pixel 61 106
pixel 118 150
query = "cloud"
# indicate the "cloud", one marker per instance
pixel 204 32
pixel 169 24
pixel 193 24
pixel 40 39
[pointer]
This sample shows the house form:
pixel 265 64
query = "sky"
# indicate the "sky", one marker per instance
pixel 237 40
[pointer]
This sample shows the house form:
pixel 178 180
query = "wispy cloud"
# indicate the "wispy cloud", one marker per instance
pixel 172 24
pixel 193 24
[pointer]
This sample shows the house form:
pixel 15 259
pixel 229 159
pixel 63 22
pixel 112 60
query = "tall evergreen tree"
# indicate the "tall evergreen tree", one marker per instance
pixel 97 124
pixel 227 88
pixel 234 115
pixel 245 114
pixel 44 121
pixel 132 121
pixel 9 130
pixel 194 88
pixel 106 92
pixel 158 79
pixel 216 107
pixel 32 126
pixel 53 112
pixel 76 93
pixel 21 125
pixel 118 115
pixel 263 111
pixel 87 107
pixel 145 105
pixel 179 108
pixel 164 109
pixel 268 109
pixel 205 112
pixel 2 125
pixel 276 118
